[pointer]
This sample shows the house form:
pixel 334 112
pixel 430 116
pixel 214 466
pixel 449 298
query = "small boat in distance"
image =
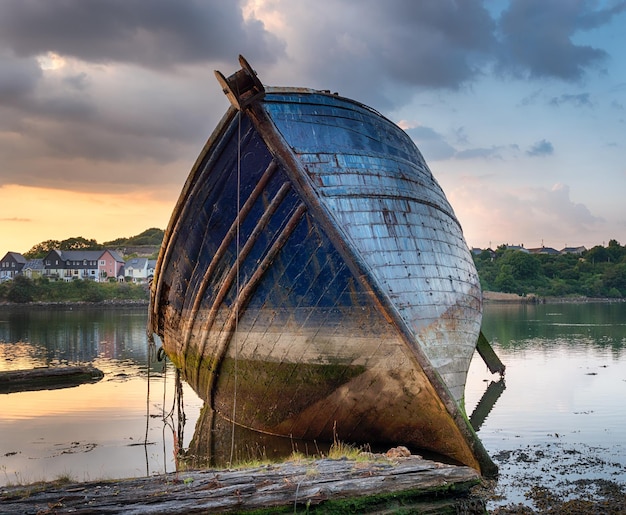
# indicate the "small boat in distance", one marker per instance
pixel 314 282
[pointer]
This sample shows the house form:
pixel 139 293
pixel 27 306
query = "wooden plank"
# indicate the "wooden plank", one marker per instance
pixel 47 378
pixel 291 487
pixel 489 356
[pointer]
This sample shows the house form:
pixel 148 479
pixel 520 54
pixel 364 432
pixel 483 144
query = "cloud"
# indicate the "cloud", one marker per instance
pixel 541 148
pixel 499 214
pixel 99 95
pixel 15 219
pixel 381 52
pixel 579 100
pixel 538 37
pixel 433 145
pixel 18 79
pixel 156 34
pixel 478 152
pixel 556 204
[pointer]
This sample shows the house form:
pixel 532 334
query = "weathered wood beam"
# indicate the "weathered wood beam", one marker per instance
pixel 47 378
pixel 489 356
pixel 302 486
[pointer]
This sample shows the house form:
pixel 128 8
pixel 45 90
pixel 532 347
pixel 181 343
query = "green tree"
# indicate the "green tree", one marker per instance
pixel 615 251
pixel 152 236
pixel 41 249
pixel 614 278
pixel 79 243
pixel 523 266
pixel 597 254
pixel 505 282
pixel 76 243
pixel 21 290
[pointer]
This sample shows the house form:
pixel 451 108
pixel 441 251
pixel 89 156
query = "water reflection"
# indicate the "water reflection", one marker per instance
pixel 39 336
pixel 565 385
pixel 216 442
pixel 91 431
pixel 561 418
pixel 601 325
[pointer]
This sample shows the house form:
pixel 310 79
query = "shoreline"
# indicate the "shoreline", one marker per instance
pixel 513 298
pixel 113 303
pixel 489 297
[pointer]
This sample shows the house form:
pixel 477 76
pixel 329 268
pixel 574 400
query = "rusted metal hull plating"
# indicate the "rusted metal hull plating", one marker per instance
pixel 314 271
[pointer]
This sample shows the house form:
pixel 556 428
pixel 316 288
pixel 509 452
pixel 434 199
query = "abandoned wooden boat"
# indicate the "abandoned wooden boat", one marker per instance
pixel 314 281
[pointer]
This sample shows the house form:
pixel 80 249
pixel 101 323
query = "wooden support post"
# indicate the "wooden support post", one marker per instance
pixel 489 356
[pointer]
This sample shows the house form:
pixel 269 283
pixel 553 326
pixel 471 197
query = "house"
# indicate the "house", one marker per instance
pixel 33 268
pixel 110 265
pixel 93 265
pixel 67 265
pixel 519 248
pixel 544 250
pixel 11 265
pixel 574 250
pixel 138 269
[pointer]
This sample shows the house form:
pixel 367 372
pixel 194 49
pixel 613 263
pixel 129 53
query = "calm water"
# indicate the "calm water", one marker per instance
pixel 560 413
pixel 561 420
pixel 92 431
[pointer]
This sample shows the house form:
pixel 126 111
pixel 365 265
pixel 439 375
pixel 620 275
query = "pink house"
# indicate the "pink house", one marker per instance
pixel 110 265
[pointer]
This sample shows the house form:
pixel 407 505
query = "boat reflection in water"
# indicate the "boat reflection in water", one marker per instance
pixel 314 282
pixel 218 443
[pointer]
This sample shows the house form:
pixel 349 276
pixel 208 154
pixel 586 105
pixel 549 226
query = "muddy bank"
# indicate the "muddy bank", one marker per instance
pixel 557 478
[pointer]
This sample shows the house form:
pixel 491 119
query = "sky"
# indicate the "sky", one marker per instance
pixel 518 106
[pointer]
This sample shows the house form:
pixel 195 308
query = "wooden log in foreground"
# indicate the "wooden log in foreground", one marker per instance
pixel 410 485
pixel 47 378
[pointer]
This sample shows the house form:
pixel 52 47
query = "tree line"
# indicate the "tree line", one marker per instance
pixel 597 272
pixel 149 237
pixel 23 290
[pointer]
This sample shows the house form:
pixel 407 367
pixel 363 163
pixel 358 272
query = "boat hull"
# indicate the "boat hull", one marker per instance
pixel 314 282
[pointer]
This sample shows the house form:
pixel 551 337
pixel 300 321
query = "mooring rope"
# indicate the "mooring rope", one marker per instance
pixel 151 348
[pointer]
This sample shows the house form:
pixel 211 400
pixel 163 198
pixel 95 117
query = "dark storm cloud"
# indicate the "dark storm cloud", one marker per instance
pixel 537 37
pixel 18 77
pixel 136 84
pixel 541 148
pixel 362 47
pixel 433 44
pixel 151 33
pixel 384 53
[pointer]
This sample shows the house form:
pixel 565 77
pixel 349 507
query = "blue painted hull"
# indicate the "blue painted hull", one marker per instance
pixel 314 279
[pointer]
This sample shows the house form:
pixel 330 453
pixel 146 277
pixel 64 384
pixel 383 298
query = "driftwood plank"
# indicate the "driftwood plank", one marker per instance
pixel 47 378
pixel 311 486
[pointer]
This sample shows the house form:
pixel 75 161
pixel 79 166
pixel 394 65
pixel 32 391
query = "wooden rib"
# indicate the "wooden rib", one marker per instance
pixel 232 273
pixel 219 254
pixel 245 294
